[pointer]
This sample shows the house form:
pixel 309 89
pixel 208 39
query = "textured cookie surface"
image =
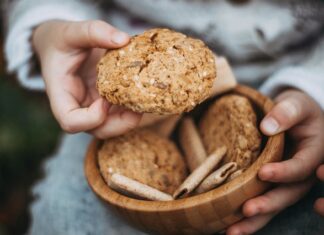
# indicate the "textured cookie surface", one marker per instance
pixel 159 71
pixel 231 121
pixel 144 156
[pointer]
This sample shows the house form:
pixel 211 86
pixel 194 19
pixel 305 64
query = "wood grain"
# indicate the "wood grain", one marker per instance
pixel 206 213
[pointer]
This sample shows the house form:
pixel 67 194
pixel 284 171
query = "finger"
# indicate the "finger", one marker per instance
pixel 92 34
pixel 298 168
pixel 288 112
pixel 116 109
pixel 88 68
pixel 72 117
pixel 320 172
pixel 249 225
pixel 117 124
pixel 277 199
pixel 319 206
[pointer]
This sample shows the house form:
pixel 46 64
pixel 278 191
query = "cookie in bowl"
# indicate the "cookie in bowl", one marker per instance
pixel 160 71
pixel 231 121
pixel 143 156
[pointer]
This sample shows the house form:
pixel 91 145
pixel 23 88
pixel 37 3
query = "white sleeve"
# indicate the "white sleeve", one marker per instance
pixel 308 76
pixel 23 16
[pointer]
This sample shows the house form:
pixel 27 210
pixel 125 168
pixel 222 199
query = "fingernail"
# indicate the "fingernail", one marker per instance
pixel 119 37
pixel 270 125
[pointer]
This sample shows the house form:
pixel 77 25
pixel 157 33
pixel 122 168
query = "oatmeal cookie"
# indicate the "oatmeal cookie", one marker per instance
pixel 159 71
pixel 144 156
pixel 231 121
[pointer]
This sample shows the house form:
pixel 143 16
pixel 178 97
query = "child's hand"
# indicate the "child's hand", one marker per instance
pixel 319 204
pixel 303 118
pixel 68 53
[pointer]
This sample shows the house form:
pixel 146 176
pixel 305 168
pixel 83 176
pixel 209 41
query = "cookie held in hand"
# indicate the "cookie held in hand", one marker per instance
pixel 145 157
pixel 231 121
pixel 159 71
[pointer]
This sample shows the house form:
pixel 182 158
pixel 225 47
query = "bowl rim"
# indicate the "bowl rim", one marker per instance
pixel 101 189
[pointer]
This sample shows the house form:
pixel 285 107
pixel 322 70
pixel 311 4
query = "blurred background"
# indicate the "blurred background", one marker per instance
pixel 28 135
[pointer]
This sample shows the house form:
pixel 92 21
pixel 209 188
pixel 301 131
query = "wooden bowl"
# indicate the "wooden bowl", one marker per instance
pixel 205 213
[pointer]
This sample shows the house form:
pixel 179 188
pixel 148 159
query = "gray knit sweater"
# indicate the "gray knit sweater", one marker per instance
pixel 273 43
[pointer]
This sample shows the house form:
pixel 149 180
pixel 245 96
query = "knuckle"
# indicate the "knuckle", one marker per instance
pixel 95 118
pixel 287 110
pixel 265 199
pixel 279 171
pixel 97 23
pixel 67 126
pixel 99 135
pixel 66 31
pixel 293 107
pixel 99 118
pixel 270 203
pixel 282 169
pixel 303 168
pixel 89 28
pixel 264 202
pixel 132 124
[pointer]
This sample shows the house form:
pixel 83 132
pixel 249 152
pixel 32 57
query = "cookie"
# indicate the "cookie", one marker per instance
pixel 159 71
pixel 144 156
pixel 231 121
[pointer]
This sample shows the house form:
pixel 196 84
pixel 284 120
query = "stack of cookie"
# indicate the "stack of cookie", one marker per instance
pixel 165 72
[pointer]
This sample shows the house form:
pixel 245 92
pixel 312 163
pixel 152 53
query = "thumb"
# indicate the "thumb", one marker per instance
pixel 292 108
pixel 93 34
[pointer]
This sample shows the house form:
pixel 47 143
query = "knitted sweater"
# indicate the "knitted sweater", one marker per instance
pixel 277 41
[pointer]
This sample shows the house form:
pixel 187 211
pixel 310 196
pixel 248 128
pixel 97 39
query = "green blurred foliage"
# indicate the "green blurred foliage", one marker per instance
pixel 28 134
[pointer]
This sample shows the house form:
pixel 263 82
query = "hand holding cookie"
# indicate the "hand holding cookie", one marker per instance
pixel 68 54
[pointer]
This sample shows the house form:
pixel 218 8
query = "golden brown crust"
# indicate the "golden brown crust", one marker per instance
pixel 159 71
pixel 231 121
pixel 144 156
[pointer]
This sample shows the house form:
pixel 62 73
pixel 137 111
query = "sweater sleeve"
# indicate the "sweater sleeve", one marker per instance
pixel 307 76
pixel 22 17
